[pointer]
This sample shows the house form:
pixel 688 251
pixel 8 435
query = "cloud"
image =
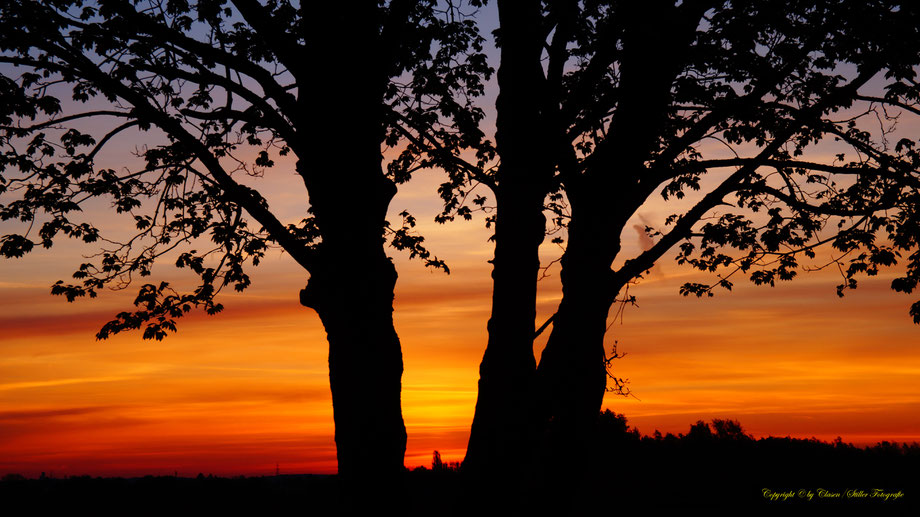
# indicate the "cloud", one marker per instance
pixel 44 414
pixel 60 382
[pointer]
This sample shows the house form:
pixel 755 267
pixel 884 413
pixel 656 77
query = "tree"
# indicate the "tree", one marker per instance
pixel 730 430
pixel 502 420
pixel 623 98
pixel 223 89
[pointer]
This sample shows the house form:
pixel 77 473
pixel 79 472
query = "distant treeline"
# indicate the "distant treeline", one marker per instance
pixel 718 464
pixel 614 426
pixel 715 463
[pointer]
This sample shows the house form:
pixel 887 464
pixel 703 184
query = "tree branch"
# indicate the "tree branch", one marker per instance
pixel 470 169
pixel 160 33
pixel 777 163
pixel 244 196
pixel 271 120
pixel 51 123
pixel 285 49
pixel 892 102
pixel 804 206
pixel 109 135
pixel 684 225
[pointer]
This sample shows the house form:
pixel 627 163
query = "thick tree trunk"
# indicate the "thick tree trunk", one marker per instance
pixel 352 284
pixel 572 374
pixel 351 287
pixel 501 434
pixel 353 294
pixel 354 299
pixel 501 437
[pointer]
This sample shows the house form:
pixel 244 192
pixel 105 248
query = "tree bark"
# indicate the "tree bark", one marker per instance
pixel 354 300
pixel 502 431
pixel 351 286
pixel 572 374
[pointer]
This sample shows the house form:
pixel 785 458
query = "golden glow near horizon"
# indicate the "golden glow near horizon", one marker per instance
pixel 247 389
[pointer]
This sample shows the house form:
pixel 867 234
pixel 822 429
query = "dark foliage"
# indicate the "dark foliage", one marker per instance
pixel 632 95
pixel 220 91
pixel 714 465
pixel 776 133
pixel 214 90
pixel 717 464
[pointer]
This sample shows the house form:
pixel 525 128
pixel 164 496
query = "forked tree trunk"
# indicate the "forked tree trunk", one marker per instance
pixel 572 374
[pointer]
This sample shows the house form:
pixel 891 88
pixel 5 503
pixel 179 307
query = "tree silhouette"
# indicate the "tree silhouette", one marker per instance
pixel 606 105
pixel 729 430
pixel 220 90
pixel 502 420
pixel 700 432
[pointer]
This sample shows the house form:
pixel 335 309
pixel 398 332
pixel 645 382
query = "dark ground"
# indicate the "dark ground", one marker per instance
pixel 711 467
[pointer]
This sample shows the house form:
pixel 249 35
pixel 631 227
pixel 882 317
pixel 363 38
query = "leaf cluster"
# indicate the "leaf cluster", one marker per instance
pixel 640 96
pixel 212 87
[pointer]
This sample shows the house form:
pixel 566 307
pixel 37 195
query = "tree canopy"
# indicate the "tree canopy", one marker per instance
pixel 796 122
pixel 604 105
pixel 777 128
pixel 221 91
pixel 216 89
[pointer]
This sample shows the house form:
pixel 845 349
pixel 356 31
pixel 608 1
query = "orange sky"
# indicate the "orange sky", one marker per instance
pixel 247 389
pixel 239 392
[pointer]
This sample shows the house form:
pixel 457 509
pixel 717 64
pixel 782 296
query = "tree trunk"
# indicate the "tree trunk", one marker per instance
pixel 501 436
pixel 352 284
pixel 572 374
pixel 354 300
pixel 351 287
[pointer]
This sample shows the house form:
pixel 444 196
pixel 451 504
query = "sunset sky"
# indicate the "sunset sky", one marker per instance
pixel 241 391
pixel 248 389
